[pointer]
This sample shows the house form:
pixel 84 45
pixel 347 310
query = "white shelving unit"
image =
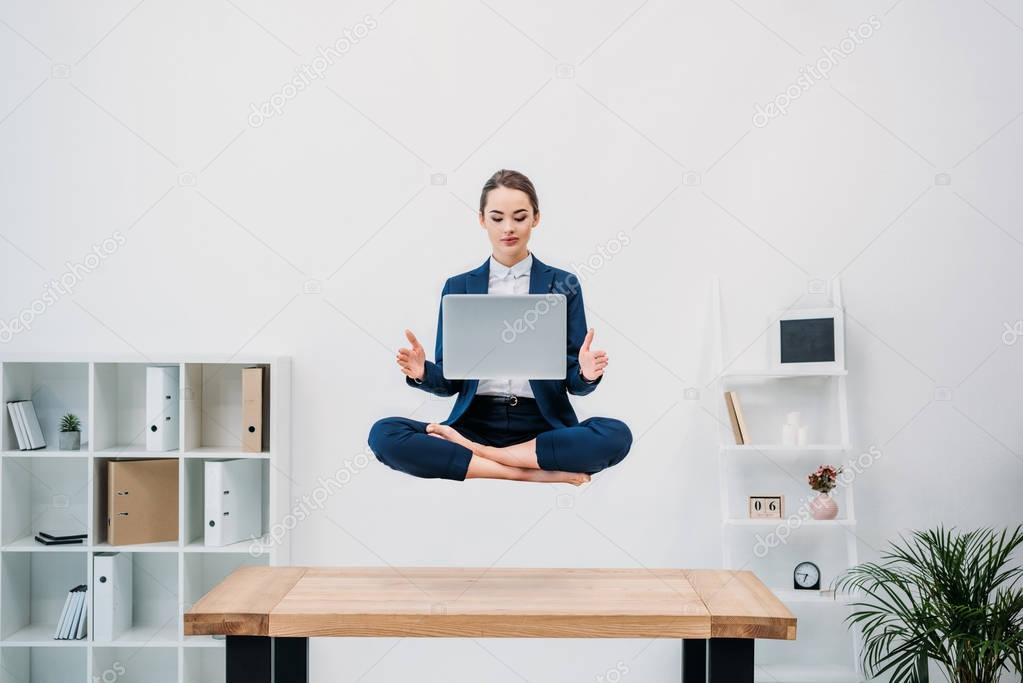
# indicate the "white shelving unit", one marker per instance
pixel 54 489
pixel 766 396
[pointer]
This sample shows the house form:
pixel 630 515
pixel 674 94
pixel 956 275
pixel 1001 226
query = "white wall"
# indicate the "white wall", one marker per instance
pixel 319 234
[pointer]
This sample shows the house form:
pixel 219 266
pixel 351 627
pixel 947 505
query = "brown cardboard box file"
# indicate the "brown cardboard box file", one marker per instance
pixel 255 410
pixel 142 501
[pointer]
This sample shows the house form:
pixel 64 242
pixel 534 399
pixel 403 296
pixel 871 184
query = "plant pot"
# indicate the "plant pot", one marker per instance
pixel 70 441
pixel 823 506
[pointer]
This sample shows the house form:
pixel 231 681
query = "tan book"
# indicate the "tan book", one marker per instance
pixel 732 418
pixel 743 429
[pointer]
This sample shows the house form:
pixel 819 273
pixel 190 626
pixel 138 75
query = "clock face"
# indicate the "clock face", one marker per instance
pixel 807 575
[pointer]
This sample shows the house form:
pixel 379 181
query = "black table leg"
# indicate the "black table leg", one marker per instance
pixel 730 661
pixel 260 659
pixel 694 660
pixel 291 660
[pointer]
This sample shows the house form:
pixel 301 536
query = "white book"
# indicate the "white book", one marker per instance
pixel 19 412
pixel 35 433
pixel 72 618
pixel 65 628
pixel 19 431
pixel 233 501
pixel 63 616
pixel 73 597
pixel 111 595
pixel 79 614
pixel 82 617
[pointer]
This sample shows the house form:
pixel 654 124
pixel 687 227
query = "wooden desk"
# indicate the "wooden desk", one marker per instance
pixel 269 613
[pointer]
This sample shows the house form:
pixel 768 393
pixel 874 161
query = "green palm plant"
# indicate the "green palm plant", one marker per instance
pixel 946 596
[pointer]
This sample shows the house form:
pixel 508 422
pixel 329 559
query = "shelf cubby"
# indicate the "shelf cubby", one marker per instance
pixel 211 395
pixel 830 662
pixel 44 664
pixel 127 664
pixel 33 588
pixel 205 664
pixel 120 419
pixel 766 400
pixel 154 600
pixel 55 389
pixel 787 477
pixel 192 524
pixel 43 494
pixel 100 483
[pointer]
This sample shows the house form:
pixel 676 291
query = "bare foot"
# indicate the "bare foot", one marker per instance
pixel 574 478
pixel 482 468
pixel 451 434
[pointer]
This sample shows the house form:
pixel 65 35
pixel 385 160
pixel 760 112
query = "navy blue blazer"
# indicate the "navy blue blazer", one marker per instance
pixel 551 394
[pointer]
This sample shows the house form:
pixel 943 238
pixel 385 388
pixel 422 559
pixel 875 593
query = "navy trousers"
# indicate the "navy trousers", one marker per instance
pixel 594 444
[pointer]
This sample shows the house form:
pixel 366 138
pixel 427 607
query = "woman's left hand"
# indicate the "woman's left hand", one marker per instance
pixel 591 363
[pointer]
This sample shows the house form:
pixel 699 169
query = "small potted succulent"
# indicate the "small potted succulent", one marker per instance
pixel 823 480
pixel 70 433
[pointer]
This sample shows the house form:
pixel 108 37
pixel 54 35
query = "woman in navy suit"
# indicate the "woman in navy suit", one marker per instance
pixel 523 430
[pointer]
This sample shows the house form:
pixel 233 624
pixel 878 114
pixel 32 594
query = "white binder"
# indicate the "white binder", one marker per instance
pixel 162 407
pixel 233 501
pixel 111 595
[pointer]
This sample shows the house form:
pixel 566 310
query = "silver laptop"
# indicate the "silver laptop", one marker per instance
pixel 505 336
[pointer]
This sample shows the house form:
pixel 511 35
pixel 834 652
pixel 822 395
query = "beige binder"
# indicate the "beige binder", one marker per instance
pixel 142 501
pixel 255 410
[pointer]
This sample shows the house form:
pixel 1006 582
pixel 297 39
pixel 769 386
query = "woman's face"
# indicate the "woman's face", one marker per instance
pixel 508 219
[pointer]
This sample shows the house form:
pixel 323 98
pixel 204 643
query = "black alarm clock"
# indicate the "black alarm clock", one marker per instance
pixel 806 577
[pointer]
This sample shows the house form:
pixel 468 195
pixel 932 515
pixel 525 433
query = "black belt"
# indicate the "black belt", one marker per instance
pixel 509 400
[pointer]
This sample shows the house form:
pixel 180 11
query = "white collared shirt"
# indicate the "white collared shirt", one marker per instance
pixel 505 280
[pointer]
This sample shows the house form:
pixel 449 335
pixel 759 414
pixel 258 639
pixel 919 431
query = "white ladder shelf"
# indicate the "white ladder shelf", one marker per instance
pixel 728 450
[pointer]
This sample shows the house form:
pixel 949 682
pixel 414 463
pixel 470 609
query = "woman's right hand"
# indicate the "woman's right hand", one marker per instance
pixel 412 361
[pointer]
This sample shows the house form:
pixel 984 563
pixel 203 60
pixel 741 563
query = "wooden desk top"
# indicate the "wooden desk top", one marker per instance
pixel 487 603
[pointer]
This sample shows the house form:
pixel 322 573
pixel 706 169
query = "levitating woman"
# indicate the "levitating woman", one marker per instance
pixel 523 430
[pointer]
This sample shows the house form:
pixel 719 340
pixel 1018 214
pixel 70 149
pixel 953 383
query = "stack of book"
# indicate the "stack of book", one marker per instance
pixel 60 538
pixel 26 425
pixel 71 625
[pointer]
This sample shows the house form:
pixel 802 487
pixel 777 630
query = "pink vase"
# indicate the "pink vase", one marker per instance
pixel 823 506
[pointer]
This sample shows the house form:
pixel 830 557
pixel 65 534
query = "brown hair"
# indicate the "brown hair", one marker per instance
pixel 513 180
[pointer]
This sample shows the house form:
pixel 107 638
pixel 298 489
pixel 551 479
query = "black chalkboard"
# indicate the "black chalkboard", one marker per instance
pixel 810 340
